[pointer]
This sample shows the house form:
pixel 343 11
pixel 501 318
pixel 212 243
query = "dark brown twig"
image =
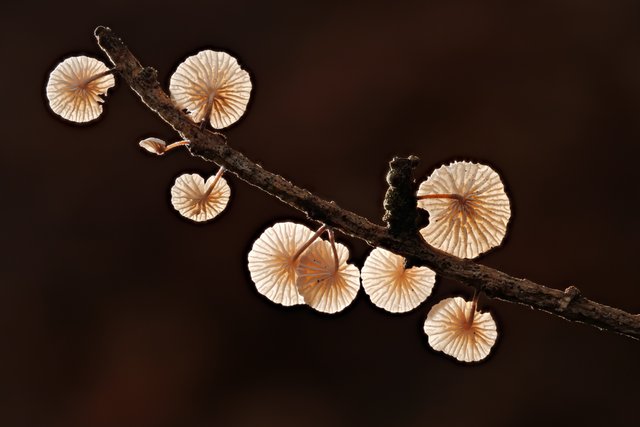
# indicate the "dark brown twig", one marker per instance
pixel 212 146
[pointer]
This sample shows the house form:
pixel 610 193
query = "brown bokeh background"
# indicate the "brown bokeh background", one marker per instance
pixel 114 311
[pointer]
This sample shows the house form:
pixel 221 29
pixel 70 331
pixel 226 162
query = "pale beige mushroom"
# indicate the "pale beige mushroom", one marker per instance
pixel 211 86
pixel 393 287
pixel 457 329
pixel 324 279
pixel 199 200
pixel 158 146
pixel 273 260
pixel 75 86
pixel 468 209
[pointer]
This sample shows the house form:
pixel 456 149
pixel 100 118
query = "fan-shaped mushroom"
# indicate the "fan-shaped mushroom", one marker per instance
pixel 211 86
pixel 468 209
pixel 393 287
pixel 324 279
pixel 75 86
pixel 273 259
pixel 199 200
pixel 457 329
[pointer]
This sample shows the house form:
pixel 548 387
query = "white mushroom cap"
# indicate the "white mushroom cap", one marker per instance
pixel 189 197
pixel 271 262
pixel 392 287
pixel 153 145
pixel 211 78
pixel 322 287
pixel 473 223
pixel 73 94
pixel 449 330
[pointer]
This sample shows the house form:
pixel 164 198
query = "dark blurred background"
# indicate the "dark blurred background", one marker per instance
pixel 114 311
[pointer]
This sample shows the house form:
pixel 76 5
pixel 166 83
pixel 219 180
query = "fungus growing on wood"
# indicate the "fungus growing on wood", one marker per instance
pixel 158 146
pixel 468 209
pixel 273 260
pixel 199 200
pixel 75 86
pixel 324 279
pixel 393 287
pixel 211 86
pixel 456 328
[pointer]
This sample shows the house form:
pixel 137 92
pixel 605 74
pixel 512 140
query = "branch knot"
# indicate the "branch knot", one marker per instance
pixel 570 294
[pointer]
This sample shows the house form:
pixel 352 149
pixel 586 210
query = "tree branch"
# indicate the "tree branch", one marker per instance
pixel 400 237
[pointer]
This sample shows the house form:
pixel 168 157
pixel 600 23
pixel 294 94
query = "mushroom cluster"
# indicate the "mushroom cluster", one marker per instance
pixel 469 211
pixel 211 86
pixel 289 263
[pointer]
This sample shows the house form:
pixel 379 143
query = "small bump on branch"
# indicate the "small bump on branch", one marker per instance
pixel 570 294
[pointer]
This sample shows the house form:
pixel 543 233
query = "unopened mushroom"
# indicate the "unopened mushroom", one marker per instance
pixel 457 329
pixel 393 287
pixel 324 279
pixel 158 146
pixel 75 86
pixel 273 260
pixel 211 86
pixel 468 209
pixel 199 200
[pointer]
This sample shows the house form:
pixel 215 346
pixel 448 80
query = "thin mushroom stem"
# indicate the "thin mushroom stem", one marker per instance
pixel 214 182
pixel 99 75
pixel 332 239
pixel 440 196
pixel 474 304
pixel 175 144
pixel 309 242
pixel 207 111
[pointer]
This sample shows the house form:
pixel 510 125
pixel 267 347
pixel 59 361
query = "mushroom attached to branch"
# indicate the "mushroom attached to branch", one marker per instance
pixel 75 86
pixel 456 328
pixel 468 209
pixel 393 287
pixel 212 87
pixel 199 200
pixel 324 279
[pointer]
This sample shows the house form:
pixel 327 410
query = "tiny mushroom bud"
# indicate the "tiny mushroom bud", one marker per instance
pixel 158 146
pixel 199 200
pixel 273 260
pixel 468 209
pixel 211 86
pixel 393 287
pixel 457 329
pixel 153 145
pixel 325 280
pixel 75 86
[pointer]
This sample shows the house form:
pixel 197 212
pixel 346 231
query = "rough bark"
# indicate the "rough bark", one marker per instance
pixel 401 235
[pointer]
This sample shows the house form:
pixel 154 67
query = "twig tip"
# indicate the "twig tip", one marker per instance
pixel 101 30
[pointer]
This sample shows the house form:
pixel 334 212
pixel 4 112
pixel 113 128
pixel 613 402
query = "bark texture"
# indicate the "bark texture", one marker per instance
pixel 401 235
